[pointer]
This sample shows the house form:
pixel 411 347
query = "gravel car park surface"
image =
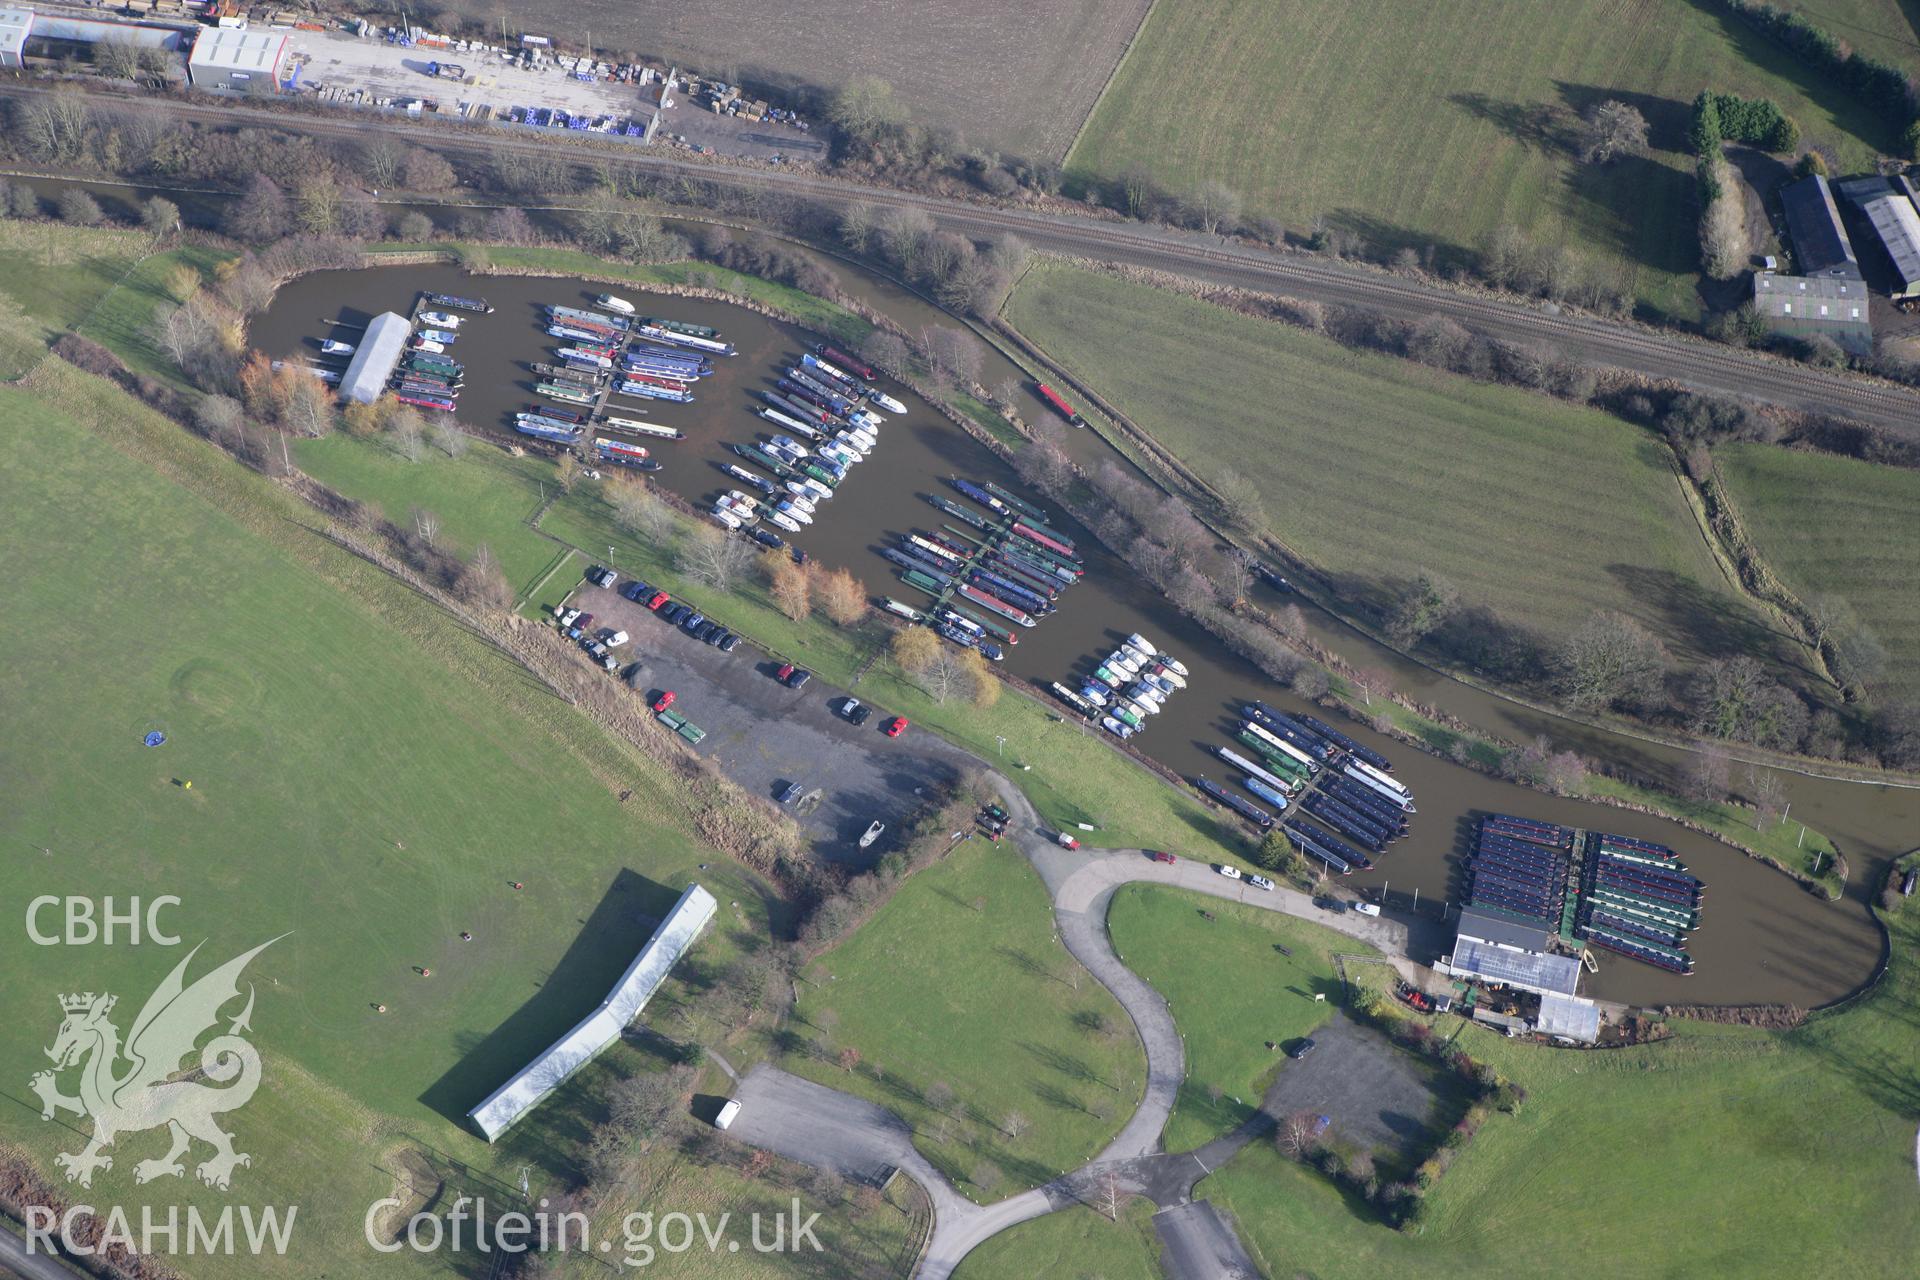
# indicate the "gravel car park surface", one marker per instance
pixel 765 735
pixel 1376 1094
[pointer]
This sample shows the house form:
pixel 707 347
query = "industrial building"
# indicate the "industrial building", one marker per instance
pixel 1821 246
pixel 604 1025
pixel 237 60
pixel 375 358
pixel 1897 223
pixel 1810 306
pixel 15 26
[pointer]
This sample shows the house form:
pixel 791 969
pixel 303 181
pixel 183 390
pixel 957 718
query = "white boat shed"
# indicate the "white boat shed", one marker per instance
pixel 533 1082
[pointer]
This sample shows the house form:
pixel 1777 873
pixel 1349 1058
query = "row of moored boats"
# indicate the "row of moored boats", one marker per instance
pixel 1128 687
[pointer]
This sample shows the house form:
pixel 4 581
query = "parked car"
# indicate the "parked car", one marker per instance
pixel 1231 873
pixel 692 620
pixel 658 601
pixel 729 642
pixel 790 793
pixel 1301 1047
pixel 674 612
pixel 1260 882
pixel 601 576
pixel 664 701
pixel 768 539
pixel 584 623
pixel 1330 904
pixel 896 726
pixel 567 615
pixel 795 677
pixel 617 638
pixel 1366 908
pixel 715 636
pixel 855 711
pixel 636 590
pixel 1161 855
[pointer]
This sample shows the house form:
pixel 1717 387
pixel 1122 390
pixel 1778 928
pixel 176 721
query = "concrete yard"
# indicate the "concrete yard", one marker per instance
pixel 1376 1094
pixel 335 60
pixel 765 735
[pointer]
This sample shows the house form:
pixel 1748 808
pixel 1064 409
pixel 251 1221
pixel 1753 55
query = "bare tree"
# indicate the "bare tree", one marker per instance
pixel 1768 793
pixel 309 406
pixel 790 585
pixel 426 524
pixel 856 227
pixel 715 558
pixel 638 508
pixel 1705 779
pixel 449 438
pixel 1298 1134
pixel 915 649
pixel 1612 129
pixel 1724 247
pixel 1612 659
pixel 842 596
pixel 1240 499
pixel 407 433
pixel 1015 1124
pixel 482 582
pixel 566 471
pixel 380 157
pixel 1213 204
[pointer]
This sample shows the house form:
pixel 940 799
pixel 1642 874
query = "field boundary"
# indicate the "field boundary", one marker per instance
pixel 1113 76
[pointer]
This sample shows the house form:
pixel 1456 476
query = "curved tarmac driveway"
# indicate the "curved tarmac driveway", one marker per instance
pixel 822 1126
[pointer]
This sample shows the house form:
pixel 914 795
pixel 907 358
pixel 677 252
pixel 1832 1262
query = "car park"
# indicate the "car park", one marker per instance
pixel 896 726
pixel 1260 882
pixel 1231 873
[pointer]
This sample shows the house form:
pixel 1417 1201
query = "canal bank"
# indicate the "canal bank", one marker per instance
pixel 1766 941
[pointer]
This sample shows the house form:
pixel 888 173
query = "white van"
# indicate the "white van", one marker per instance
pixel 727 1113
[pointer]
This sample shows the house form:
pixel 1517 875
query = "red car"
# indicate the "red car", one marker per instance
pixel 1161 855
pixel 664 701
pixel 896 726
pixel 658 601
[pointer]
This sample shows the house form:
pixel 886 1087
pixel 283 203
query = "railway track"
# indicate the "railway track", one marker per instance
pixel 1691 362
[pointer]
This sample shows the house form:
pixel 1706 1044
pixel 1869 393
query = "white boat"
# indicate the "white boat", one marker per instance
pixel 441 336
pixel 906 611
pixel 784 520
pixel 815 491
pixel 886 402
pixel 726 517
pixel 1139 706
pixel 426 344
pixel 1094 694
pixel 1140 657
pixel 334 347
pixel 441 319
pixel 872 833
pixel 1120 660
pixel 792 446
pixel 593 358
pixel 1117 728
pixel 1164 672
pixel 646 428
pixel 1178 668
pixel 1141 643
pixel 866 419
pixel 607 302
pixel 794 513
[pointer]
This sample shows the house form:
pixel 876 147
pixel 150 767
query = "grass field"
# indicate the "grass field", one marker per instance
pixel 960 69
pixel 365 776
pixel 1267 995
pixel 959 981
pixel 1541 511
pixel 51 276
pixel 1708 1145
pixel 1422 123
pixel 1072 1243
pixel 1888 30
pixel 1835 526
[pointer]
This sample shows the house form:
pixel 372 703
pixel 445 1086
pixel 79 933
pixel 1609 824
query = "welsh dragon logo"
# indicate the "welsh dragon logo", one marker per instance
pixel 151 1089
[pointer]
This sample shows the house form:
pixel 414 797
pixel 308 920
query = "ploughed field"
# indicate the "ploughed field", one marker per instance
pixel 1375 468
pixel 1436 123
pixel 1012 77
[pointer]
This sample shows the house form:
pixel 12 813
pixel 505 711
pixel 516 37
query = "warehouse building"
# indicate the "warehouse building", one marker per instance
pixel 1897 223
pixel 226 58
pixel 1497 949
pixel 1809 306
pixel 375 358
pixel 1820 243
pixel 512 1100
pixel 15 24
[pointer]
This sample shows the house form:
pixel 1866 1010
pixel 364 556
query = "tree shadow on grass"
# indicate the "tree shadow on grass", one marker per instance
pixel 1704 624
pixel 1544 127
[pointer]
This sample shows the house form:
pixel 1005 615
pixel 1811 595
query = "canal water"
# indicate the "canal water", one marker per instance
pixel 1763 938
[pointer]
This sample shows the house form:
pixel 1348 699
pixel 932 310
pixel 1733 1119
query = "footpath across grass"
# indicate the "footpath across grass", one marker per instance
pixel 974 1023
pixel 1419 124
pixel 1376 468
pixel 1703 1149
pixel 1232 989
pixel 1841 528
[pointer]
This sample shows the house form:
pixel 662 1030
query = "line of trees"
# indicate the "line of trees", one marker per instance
pixel 1886 88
